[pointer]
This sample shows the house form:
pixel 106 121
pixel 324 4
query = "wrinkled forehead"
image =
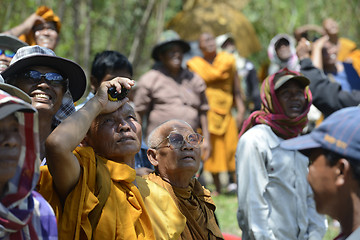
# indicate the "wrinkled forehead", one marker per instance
pixel 177 127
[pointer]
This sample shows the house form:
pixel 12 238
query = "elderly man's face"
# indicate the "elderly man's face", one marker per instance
pixel 5 57
pixel 176 160
pixel 46 95
pixel 116 135
pixel 10 147
pixel 46 35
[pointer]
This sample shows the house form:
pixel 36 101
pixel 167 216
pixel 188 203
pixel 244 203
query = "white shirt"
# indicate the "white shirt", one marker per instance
pixel 274 197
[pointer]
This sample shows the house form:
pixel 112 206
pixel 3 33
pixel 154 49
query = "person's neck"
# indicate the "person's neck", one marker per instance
pixel 333 38
pixel 350 216
pixel 45 121
pixel 180 180
pixel 209 57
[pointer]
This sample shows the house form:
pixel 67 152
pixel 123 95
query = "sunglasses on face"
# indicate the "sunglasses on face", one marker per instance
pixel 177 140
pixel 7 53
pixel 52 78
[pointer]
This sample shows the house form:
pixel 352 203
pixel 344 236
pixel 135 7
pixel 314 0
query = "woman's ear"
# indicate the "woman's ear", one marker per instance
pixel 151 154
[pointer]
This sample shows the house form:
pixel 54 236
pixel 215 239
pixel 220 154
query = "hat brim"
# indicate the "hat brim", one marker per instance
pixel 284 79
pixel 156 50
pixel 14 91
pixel 11 42
pixel 302 144
pixel 75 74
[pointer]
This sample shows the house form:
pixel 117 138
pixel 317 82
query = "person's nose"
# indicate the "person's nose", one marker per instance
pixel 123 126
pixel 187 146
pixel 8 140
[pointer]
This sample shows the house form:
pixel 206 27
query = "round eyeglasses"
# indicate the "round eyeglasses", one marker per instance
pixel 176 140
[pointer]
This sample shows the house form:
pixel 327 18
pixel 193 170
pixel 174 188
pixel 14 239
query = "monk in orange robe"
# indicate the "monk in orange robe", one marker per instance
pixel 174 150
pixel 93 188
pixel 218 70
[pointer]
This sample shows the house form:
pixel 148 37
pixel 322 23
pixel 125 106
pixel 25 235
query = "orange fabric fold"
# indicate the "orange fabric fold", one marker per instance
pixel 197 206
pixel 49 16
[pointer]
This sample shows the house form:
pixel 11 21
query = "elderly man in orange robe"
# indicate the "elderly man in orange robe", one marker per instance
pixel 174 150
pixel 93 188
pixel 223 91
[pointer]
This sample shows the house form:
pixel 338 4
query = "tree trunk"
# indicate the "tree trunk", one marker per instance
pixel 137 45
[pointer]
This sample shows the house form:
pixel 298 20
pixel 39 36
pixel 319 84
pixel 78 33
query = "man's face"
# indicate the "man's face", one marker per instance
pixel 172 57
pixel 10 147
pixel 322 178
pixel 46 35
pixel 207 43
pixel 5 57
pixel 46 95
pixel 116 135
pixel 282 49
pixel 292 98
pixel 177 160
pixel 330 26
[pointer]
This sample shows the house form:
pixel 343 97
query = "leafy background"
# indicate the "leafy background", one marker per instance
pixel 132 27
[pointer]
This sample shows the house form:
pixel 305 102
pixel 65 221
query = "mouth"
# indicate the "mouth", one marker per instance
pixel 188 157
pixel 42 97
pixel 296 107
pixel 125 139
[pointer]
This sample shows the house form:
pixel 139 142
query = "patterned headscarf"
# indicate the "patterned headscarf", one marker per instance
pixel 24 214
pixel 273 114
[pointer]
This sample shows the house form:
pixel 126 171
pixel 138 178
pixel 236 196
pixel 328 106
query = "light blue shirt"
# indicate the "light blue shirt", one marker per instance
pixel 274 197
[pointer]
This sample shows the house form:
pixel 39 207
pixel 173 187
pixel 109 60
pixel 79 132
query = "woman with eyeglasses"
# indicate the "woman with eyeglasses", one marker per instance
pixel 174 150
pixel 53 83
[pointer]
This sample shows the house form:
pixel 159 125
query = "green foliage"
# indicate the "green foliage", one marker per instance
pixel 114 23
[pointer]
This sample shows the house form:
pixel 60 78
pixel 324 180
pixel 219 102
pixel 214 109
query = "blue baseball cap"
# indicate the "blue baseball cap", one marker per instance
pixel 339 133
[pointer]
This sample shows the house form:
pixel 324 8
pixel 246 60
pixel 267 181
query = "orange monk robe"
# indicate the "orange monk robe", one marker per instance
pixel 196 204
pixel 49 16
pixel 219 79
pixel 130 212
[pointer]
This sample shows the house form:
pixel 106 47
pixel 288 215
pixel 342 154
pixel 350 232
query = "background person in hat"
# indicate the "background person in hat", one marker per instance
pixel 52 82
pixel 40 28
pixel 24 213
pixel 334 171
pixel 275 200
pixel 8 47
pixel 223 92
pixel 169 91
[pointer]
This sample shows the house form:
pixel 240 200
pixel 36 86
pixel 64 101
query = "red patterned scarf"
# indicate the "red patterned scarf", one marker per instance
pixel 273 114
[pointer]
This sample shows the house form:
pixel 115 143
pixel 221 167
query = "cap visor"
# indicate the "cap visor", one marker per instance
pixel 301 143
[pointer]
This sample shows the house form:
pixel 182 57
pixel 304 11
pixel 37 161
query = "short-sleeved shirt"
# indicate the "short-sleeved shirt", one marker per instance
pixel 161 97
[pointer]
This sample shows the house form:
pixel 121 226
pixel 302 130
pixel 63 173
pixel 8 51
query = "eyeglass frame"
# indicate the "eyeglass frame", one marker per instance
pixel 3 51
pixel 24 75
pixel 186 138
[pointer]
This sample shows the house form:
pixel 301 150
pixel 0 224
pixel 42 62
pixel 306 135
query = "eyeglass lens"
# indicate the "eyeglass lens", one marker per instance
pixel 7 52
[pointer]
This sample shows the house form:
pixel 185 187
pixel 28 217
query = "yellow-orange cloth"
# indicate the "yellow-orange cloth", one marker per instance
pixel 346 46
pixel 124 215
pixel 196 204
pixel 219 79
pixel 49 16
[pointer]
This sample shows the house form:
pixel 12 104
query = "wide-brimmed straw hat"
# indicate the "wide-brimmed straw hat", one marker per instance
pixel 166 38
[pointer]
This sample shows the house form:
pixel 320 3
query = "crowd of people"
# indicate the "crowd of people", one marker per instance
pixel 104 167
